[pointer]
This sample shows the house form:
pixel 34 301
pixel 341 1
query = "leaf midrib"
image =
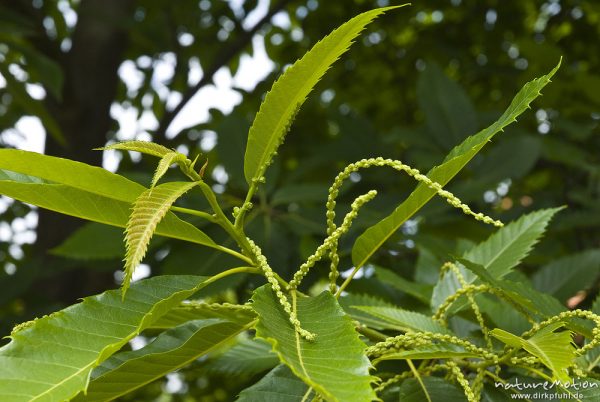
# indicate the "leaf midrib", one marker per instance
pixel 88 366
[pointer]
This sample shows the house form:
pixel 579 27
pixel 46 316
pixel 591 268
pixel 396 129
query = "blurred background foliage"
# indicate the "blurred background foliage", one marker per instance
pixel 416 83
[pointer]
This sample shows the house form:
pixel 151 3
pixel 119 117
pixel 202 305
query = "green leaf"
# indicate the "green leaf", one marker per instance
pixel 192 310
pixel 404 320
pixel 79 175
pixel 589 388
pixel 440 350
pixel 350 300
pixel 280 384
pixel 439 390
pixel 248 358
pixel 145 147
pixel 97 208
pixel 554 349
pixel 164 164
pixel 502 314
pixel 566 276
pixel 521 293
pixel 419 291
pixel 50 359
pixel 500 252
pixel 149 209
pixel 289 92
pixel 375 236
pixel 508 246
pixel 491 393
pixel 172 349
pixel 449 113
pixel 92 241
pixel 335 364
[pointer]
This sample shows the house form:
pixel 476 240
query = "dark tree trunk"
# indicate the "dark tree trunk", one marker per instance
pixel 91 80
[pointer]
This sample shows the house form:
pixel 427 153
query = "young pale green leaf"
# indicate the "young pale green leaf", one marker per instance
pixel 145 147
pixel 404 320
pixel 247 358
pixel 97 208
pixel 148 210
pixel 554 349
pixel 501 252
pixel 280 384
pixel 165 163
pixel 375 236
pixel 172 349
pixel 50 359
pixel 438 389
pixel 289 92
pixel 201 311
pixel 336 349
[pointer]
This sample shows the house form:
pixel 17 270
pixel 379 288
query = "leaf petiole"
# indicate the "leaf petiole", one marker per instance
pixel 203 215
pixel 232 271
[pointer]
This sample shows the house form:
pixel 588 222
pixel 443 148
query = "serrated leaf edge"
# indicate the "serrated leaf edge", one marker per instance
pixel 140 229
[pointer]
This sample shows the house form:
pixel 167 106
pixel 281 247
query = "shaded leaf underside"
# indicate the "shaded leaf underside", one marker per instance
pixel 172 349
pixel 50 359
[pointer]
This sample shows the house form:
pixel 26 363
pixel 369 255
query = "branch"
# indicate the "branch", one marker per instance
pixel 221 60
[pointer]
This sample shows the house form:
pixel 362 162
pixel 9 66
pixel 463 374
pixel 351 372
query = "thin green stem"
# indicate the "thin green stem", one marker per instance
pixel 418 378
pixel 347 282
pixel 593 363
pixel 203 215
pixel 239 219
pixel 220 217
pixel 306 395
pixel 234 253
pixel 232 271
pixel 282 281
pixel 536 371
pixel 494 377
pixel 371 333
